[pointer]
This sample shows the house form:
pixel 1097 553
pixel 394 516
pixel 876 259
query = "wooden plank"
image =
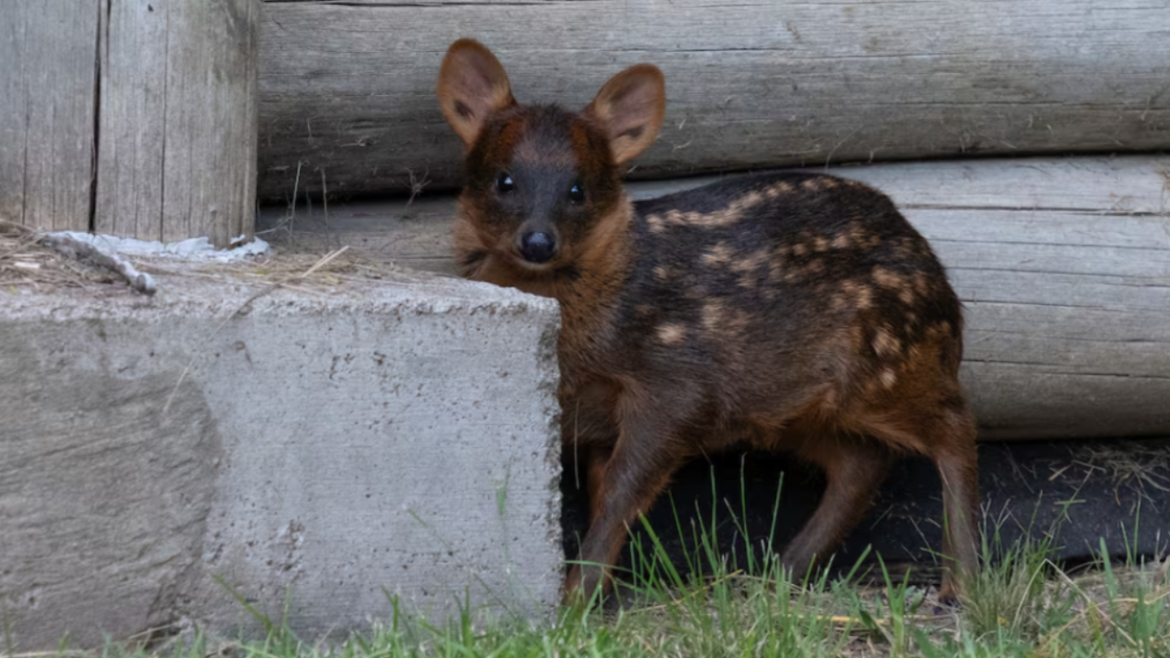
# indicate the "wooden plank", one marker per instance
pixel 1033 401
pixel 347 87
pixel 1063 265
pixel 130 161
pixel 178 120
pixel 13 114
pixel 47 92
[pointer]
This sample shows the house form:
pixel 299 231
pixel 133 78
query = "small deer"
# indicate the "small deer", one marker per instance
pixel 791 311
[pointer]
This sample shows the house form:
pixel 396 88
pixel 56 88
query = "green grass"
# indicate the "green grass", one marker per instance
pixel 1022 605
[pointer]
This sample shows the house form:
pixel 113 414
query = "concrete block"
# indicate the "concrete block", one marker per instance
pixel 337 447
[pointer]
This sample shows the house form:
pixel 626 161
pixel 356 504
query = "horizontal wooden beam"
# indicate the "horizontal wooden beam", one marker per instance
pixel 347 87
pixel 1063 266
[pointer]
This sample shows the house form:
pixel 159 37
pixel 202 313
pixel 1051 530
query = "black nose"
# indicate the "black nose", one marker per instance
pixel 537 247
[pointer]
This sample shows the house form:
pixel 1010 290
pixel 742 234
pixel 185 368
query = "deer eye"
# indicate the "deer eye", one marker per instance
pixel 504 183
pixel 577 193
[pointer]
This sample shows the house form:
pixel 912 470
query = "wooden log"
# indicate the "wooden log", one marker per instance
pixel 347 87
pixel 1063 266
pixel 178 117
pixel 47 84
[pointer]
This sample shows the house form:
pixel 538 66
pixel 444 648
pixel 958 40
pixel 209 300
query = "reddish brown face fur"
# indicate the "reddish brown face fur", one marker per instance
pixel 792 311
pixel 562 181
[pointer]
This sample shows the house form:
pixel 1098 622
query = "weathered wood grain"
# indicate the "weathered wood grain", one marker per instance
pixel 347 86
pixel 47 81
pixel 1063 266
pixel 178 119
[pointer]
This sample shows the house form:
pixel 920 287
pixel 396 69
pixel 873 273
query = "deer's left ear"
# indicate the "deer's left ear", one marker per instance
pixel 630 108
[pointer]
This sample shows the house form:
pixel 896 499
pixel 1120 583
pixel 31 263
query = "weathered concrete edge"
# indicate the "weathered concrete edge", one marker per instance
pixel 192 592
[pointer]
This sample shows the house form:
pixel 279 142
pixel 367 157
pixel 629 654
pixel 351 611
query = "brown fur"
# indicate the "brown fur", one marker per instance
pixel 793 312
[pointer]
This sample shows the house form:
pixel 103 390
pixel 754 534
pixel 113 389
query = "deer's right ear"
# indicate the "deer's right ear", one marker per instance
pixel 472 86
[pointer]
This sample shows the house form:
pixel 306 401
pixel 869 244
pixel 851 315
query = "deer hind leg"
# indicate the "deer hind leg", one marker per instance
pixel 957 464
pixel 946 434
pixel 854 469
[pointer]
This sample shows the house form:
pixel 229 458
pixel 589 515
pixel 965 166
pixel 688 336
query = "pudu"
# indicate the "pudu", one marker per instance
pixel 796 312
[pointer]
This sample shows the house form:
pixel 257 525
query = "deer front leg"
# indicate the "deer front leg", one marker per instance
pixel 646 455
